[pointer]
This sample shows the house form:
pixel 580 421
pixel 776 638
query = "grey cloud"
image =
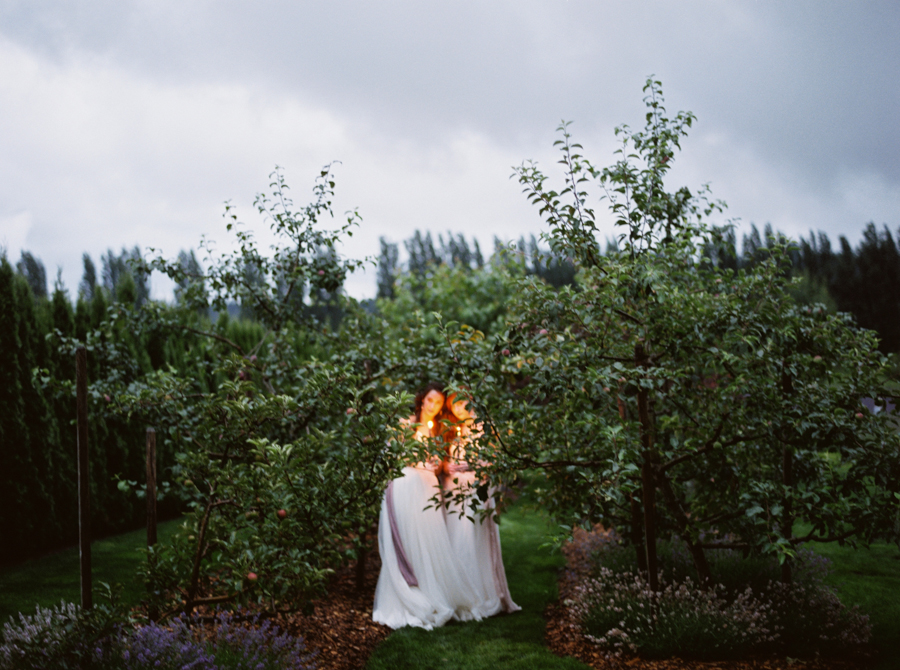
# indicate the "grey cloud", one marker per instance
pixel 801 95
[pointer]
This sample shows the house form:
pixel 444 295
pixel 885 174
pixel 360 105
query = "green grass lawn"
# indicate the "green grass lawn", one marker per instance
pixel 505 641
pixel 870 578
pixel 47 580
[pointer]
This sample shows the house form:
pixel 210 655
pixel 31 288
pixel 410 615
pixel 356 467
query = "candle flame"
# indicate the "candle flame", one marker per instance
pixel 431 424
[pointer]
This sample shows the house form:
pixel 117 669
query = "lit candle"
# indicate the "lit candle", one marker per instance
pixel 431 424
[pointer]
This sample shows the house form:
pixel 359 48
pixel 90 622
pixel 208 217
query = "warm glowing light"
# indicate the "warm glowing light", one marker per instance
pixel 431 424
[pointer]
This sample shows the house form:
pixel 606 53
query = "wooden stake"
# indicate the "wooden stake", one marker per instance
pixel 151 487
pixel 84 479
pixel 152 611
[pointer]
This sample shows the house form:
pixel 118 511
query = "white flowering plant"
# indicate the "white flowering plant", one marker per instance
pixel 746 611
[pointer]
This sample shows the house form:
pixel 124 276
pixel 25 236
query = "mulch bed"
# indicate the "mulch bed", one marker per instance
pixel 340 627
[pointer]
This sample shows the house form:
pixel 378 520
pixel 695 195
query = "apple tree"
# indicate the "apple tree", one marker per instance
pixel 664 394
pixel 286 431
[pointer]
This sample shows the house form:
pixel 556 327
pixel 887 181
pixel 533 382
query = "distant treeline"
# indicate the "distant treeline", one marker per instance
pixel 864 281
pixel 424 254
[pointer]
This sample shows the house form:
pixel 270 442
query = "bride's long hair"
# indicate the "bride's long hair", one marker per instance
pixel 420 398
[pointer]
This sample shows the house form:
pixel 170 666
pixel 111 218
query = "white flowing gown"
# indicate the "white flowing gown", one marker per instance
pixel 477 544
pixel 421 582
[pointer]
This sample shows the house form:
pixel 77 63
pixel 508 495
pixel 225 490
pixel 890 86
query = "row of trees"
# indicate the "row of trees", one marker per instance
pixel 423 258
pixel 37 435
pixel 116 277
pixel 863 281
pixel 37 413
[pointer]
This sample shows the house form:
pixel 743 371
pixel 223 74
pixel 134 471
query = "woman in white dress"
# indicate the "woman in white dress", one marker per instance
pixel 421 582
pixel 476 544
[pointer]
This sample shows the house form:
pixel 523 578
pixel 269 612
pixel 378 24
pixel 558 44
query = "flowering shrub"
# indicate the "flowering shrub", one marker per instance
pixel 66 637
pixel 619 611
pixel 34 639
pixel 747 611
pixel 814 621
pixel 229 645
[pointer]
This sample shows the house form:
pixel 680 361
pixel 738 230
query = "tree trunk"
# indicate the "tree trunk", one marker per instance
pixel 787 479
pixel 361 562
pixel 634 498
pixel 637 530
pixel 649 494
pixel 194 585
pixel 787 521
pixel 697 553
pixel 648 473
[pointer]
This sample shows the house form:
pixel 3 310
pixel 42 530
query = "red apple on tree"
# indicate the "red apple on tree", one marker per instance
pixel 281 513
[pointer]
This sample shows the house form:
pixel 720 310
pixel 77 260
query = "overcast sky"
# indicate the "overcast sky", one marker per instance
pixel 129 123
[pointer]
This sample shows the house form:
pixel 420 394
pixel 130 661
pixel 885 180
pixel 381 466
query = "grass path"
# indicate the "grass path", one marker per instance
pixel 47 580
pixel 870 578
pixel 514 641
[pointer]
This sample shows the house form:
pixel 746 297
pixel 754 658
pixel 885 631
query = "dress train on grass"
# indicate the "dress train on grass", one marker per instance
pixel 421 582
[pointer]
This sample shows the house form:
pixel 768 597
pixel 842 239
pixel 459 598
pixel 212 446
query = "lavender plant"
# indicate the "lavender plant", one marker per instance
pixel 64 637
pixel 228 645
pixel 36 636
pixel 257 646
pixel 166 648
pixel 813 621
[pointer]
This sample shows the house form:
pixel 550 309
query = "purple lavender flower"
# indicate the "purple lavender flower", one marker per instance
pixel 172 648
pixel 258 646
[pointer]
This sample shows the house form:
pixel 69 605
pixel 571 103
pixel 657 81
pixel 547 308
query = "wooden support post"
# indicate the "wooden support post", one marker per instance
pixel 151 487
pixel 152 611
pixel 84 480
